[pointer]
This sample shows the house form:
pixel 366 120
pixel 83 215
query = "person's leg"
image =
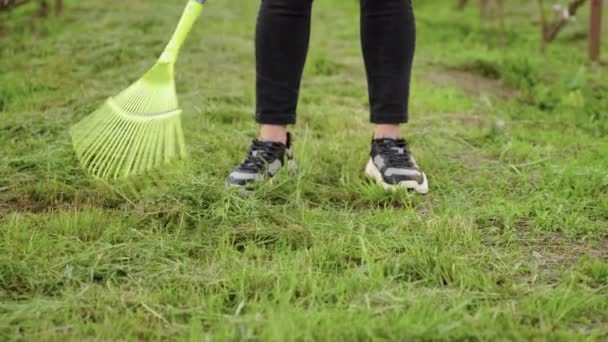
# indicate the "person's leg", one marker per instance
pixel 388 36
pixel 281 45
pixel 282 37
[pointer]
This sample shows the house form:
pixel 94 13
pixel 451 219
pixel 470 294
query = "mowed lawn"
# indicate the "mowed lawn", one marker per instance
pixel 511 243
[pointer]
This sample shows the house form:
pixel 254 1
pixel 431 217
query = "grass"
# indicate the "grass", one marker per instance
pixel 511 244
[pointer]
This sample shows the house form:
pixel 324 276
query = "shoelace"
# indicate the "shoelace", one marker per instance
pixel 396 152
pixel 260 153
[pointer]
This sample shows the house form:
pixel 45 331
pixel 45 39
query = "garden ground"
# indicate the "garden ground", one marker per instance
pixel 511 243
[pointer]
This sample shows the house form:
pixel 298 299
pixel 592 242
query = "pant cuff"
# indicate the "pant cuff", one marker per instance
pixel 389 118
pixel 275 119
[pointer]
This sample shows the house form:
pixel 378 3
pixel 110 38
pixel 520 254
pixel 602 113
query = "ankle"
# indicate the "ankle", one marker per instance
pixel 387 131
pixel 273 133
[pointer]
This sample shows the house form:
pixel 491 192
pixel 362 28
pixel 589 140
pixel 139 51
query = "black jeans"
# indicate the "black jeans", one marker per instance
pixel 388 37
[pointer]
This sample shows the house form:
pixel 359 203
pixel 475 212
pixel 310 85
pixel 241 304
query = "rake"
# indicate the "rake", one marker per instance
pixel 139 129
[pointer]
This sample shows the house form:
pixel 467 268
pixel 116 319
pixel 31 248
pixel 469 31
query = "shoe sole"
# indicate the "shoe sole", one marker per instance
pixel 372 172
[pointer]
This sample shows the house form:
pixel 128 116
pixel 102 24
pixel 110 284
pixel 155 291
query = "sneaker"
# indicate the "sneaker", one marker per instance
pixel 393 166
pixel 264 160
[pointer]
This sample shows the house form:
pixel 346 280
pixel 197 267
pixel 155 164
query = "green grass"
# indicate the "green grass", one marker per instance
pixel 511 244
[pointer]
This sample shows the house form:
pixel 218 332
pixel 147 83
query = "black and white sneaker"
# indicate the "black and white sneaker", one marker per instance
pixel 264 160
pixel 392 166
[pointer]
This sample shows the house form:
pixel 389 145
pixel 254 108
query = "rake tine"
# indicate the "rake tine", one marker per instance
pixel 159 156
pixel 127 147
pixel 118 155
pixel 181 144
pixel 169 138
pixel 90 149
pixel 138 138
pixel 145 149
pixel 151 149
pixel 109 149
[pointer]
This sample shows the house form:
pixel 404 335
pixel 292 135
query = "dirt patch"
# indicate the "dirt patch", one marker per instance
pixel 37 203
pixel 470 83
pixel 554 252
pixel 601 247
pixel 470 120
pixel 474 162
pixel 28 203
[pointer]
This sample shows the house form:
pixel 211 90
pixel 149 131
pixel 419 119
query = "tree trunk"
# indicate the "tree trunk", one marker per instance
pixel 595 31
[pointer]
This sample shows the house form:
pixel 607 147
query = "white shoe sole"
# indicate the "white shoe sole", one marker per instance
pixel 372 172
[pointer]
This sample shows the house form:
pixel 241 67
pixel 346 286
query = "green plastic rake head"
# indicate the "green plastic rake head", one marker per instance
pixel 139 129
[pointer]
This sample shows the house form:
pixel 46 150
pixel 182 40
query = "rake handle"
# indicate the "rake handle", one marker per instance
pixel 192 12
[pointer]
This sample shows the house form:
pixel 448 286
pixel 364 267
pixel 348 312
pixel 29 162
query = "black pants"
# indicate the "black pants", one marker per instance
pixel 282 37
